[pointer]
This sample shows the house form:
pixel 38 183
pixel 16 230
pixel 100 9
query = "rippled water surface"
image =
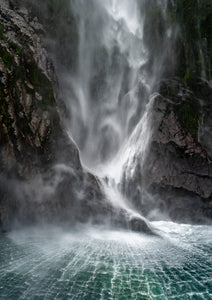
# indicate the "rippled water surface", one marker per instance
pixel 100 264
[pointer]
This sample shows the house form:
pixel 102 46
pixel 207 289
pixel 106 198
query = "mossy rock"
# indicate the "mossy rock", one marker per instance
pixel 42 85
pixel 2 32
pixel 6 57
pixel 16 48
pixel 194 42
pixel 189 114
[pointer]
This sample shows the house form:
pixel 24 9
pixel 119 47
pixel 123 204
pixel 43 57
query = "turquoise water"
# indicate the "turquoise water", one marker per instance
pixel 100 264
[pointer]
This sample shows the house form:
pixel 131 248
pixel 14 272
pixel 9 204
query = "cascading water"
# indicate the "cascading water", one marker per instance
pixel 112 84
pixel 121 53
pixel 108 94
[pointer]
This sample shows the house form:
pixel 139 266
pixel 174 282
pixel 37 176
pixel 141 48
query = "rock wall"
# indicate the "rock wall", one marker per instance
pixel 30 125
pixel 177 171
pixel 31 135
pixel 32 138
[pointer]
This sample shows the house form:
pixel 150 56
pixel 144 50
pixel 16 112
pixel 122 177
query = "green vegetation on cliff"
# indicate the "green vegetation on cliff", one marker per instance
pixel 194 45
pixel 1 32
pixel 6 57
pixel 190 117
pixel 27 102
pixel 193 50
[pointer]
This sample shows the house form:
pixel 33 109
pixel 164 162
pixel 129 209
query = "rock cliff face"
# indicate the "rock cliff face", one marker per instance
pixel 177 170
pixel 32 138
pixel 30 126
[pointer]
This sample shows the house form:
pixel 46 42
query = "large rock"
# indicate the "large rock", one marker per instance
pixel 177 171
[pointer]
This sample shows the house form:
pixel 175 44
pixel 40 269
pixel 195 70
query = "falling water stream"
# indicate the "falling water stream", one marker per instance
pixel 108 93
pixel 109 97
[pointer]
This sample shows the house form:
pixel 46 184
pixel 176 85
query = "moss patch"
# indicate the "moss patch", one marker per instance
pixel 2 32
pixel 190 117
pixel 43 86
pixel 194 44
pixel 17 49
pixel 6 57
pixel 6 119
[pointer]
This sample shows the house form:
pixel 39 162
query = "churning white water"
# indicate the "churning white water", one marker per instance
pixel 99 264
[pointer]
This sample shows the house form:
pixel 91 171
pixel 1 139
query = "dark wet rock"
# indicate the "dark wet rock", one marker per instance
pixel 140 225
pixel 203 90
pixel 66 198
pixel 32 138
pixel 30 132
pixel 177 170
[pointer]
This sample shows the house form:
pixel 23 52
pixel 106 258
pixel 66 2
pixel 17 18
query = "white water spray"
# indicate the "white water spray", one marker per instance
pixel 106 87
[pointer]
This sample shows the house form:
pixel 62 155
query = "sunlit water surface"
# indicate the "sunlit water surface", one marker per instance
pixel 101 264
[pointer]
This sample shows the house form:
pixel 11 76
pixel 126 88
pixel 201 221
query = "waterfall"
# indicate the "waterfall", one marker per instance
pixel 110 93
pixel 111 58
pixel 90 238
pixel 115 74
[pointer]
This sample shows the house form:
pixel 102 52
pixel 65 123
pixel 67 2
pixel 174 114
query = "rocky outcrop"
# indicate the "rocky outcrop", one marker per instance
pixel 177 170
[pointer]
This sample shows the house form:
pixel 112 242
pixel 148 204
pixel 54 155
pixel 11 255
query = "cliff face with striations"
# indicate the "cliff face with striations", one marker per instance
pixel 29 120
pixel 177 170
